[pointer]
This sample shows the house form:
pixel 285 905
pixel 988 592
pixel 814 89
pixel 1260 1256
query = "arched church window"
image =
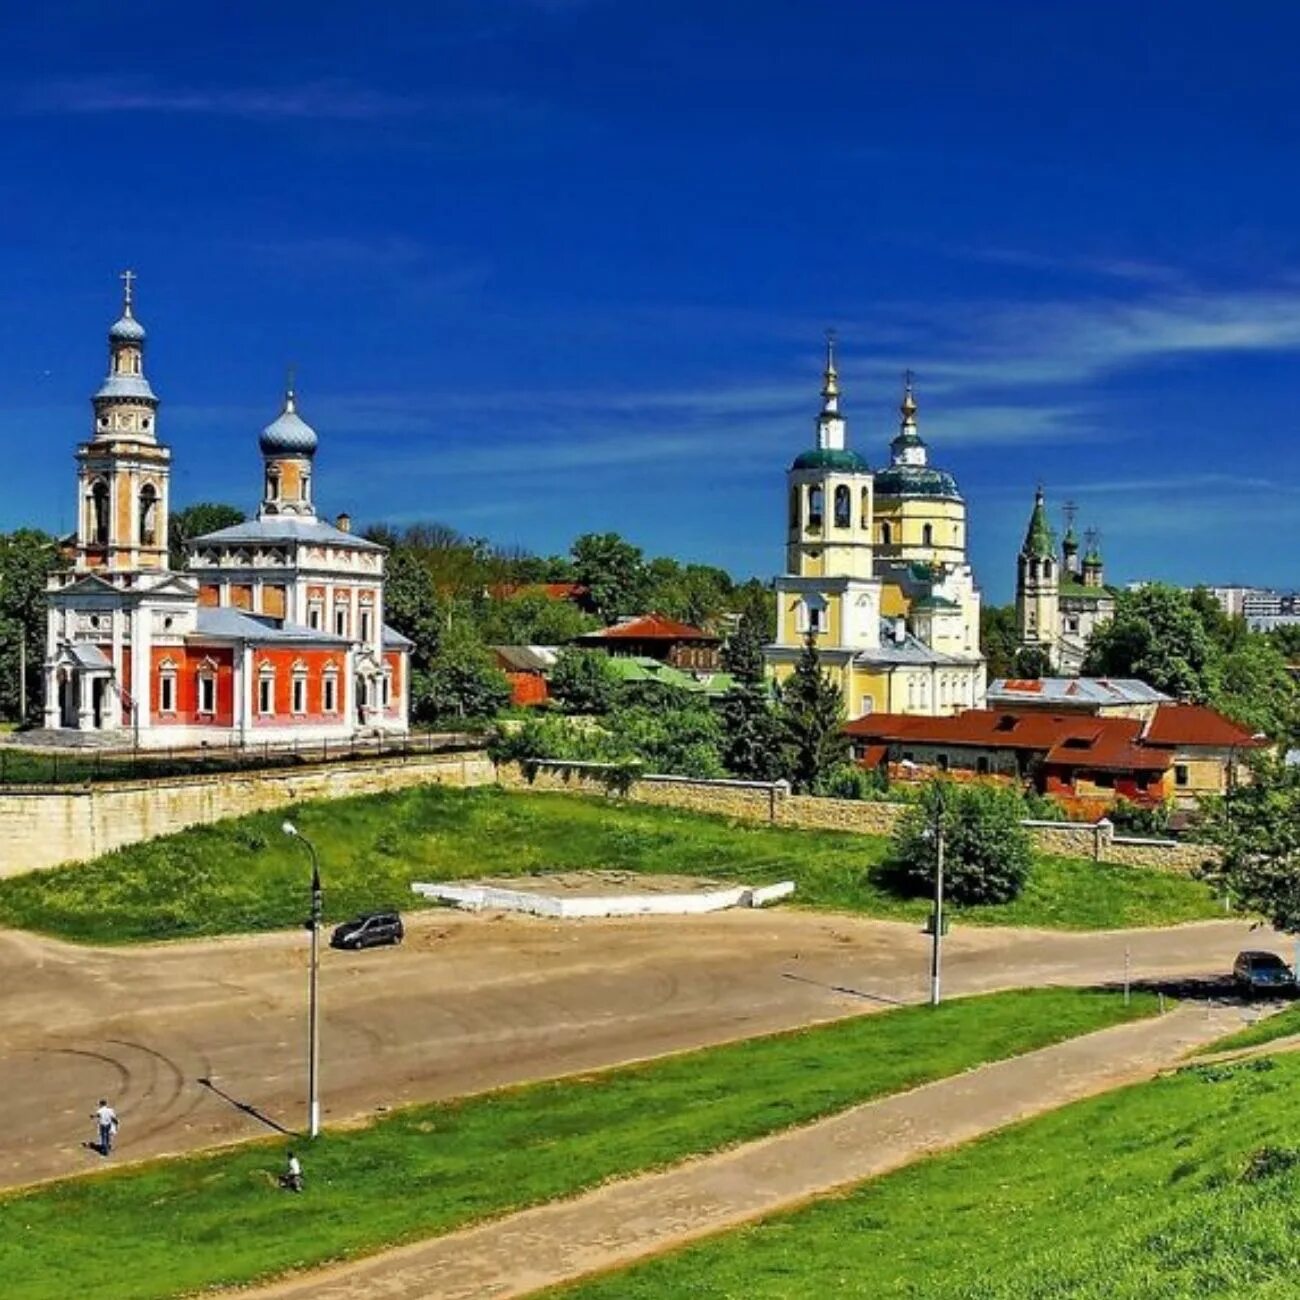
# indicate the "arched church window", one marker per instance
pixel 1047 568
pixel 927 535
pixel 843 507
pixel 148 515
pixel 886 534
pixel 272 486
pixel 306 487
pixel 99 512
pixel 866 507
pixel 794 509
pixel 816 505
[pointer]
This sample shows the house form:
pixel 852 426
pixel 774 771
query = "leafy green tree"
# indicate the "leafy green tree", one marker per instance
pixel 412 607
pixel 681 738
pixel 1158 635
pixel 614 572
pixel 811 713
pixel 1226 632
pixel 532 618
pixel 1029 663
pixel 1287 640
pixel 987 852
pixel 204 517
pixel 1256 829
pixel 752 732
pixel 694 593
pixel 1253 686
pixel 584 681
pixel 999 639
pixel 27 558
pixel 461 682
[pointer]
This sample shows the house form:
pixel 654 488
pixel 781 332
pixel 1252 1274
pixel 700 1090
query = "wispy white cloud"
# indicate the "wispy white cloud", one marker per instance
pixel 1136 270
pixel 1073 342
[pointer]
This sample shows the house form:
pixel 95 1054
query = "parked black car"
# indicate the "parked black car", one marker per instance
pixel 1262 972
pixel 370 930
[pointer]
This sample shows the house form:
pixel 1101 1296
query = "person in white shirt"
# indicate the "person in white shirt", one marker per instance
pixel 105 1118
pixel 292 1179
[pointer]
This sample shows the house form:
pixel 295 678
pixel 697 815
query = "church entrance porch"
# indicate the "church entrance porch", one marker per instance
pixel 82 683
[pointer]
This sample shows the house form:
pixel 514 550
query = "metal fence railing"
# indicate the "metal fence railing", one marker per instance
pixel 20 766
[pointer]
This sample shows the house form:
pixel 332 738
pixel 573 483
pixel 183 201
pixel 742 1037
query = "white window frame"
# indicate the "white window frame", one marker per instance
pixel 167 691
pixel 207 695
pixel 330 690
pixel 387 696
pixel 266 691
pixel 367 622
pixel 298 690
pixel 340 618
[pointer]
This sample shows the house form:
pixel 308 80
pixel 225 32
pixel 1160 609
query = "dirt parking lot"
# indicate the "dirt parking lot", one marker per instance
pixel 203 1043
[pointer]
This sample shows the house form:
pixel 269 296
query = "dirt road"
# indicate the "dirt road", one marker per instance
pixel 203 1043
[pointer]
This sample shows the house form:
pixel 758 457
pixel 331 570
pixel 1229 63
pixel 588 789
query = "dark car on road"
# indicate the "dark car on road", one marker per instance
pixel 1262 972
pixel 371 930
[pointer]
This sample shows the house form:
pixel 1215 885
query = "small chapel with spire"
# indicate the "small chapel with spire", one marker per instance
pixel 1060 599
pixel 274 629
pixel 876 570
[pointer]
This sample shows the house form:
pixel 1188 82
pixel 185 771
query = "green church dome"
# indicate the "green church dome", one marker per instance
pixel 916 481
pixel 826 458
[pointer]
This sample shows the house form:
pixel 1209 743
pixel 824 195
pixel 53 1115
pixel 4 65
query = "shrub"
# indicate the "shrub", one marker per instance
pixel 1136 820
pixel 987 855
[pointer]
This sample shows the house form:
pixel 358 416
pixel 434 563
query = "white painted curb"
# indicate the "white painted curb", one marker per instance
pixel 478 898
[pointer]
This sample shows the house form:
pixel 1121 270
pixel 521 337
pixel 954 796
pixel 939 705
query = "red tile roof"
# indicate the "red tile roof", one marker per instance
pixel 1064 739
pixel 1192 725
pixel 650 627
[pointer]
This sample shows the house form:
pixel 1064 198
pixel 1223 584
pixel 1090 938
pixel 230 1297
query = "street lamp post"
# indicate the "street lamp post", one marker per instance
pixel 313 1014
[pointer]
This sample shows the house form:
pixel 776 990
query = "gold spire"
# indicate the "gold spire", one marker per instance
pixel 127 277
pixel 831 384
pixel 908 407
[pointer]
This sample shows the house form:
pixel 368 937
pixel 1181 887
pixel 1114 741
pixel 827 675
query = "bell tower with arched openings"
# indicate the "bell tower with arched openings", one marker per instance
pixel 123 471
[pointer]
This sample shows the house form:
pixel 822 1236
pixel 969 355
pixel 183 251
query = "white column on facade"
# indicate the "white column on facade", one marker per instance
pixel 244 687
pixel 85 708
pixel 142 666
pixel 52 718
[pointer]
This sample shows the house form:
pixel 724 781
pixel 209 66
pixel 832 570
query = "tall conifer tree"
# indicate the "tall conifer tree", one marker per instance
pixel 752 733
pixel 812 719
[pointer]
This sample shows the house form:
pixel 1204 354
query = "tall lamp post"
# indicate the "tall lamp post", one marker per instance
pixel 313 1016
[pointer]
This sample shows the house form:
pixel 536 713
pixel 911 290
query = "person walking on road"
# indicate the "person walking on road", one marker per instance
pixel 106 1119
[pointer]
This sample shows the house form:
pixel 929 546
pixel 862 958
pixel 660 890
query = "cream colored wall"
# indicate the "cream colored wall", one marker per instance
pixel 42 828
pixel 772 803
pixel 907 517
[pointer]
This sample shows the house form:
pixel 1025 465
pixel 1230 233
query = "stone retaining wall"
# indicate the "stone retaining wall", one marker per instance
pixel 761 801
pixel 43 827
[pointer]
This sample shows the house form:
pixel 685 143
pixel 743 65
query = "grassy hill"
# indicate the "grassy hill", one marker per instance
pixel 245 874
pixel 1187 1186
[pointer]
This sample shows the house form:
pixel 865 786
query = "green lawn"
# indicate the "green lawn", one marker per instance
pixel 1185 1187
pixel 174 1226
pixel 244 874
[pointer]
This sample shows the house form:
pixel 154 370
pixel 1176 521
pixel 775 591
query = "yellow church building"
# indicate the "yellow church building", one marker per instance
pixel 877 574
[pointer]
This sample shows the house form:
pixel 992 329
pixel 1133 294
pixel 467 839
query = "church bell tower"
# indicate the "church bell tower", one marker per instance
pixel 123 472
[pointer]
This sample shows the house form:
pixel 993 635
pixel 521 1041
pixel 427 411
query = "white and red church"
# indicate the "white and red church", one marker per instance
pixel 274 631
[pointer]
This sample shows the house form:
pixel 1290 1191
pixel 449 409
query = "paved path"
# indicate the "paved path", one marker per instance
pixel 202 1043
pixel 622 1222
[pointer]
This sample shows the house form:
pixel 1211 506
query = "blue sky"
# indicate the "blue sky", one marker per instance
pixel 547 266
